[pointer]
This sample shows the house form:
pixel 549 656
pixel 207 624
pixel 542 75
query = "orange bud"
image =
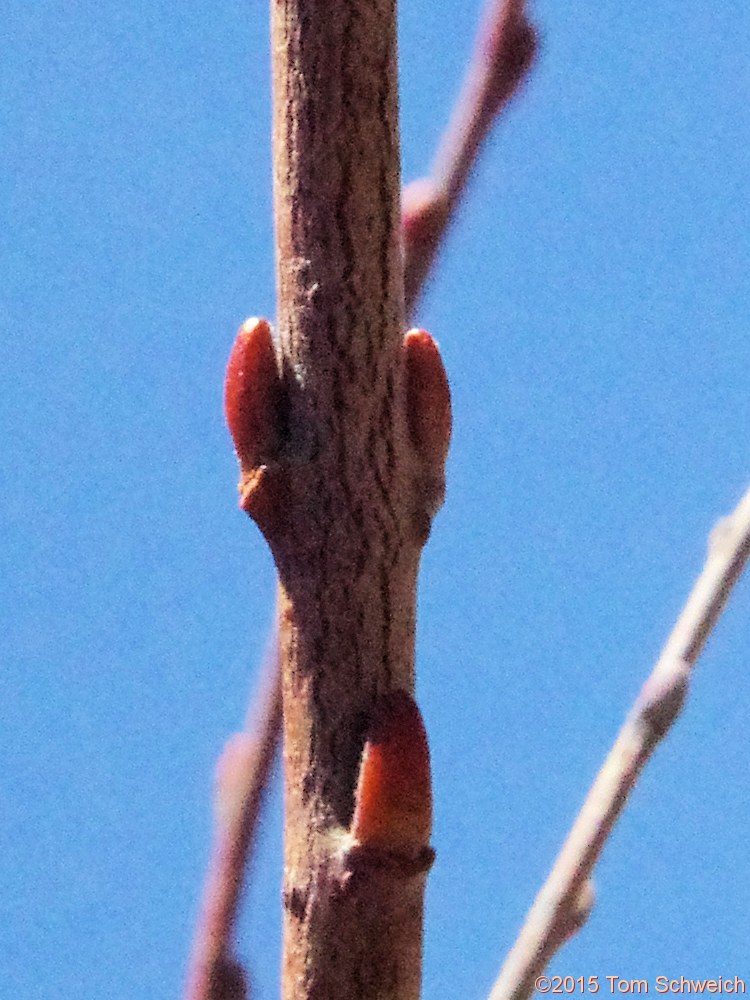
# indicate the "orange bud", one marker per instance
pixel 393 800
pixel 252 393
pixel 428 399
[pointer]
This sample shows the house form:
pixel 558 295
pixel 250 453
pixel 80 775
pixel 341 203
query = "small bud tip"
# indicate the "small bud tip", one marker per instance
pixel 251 324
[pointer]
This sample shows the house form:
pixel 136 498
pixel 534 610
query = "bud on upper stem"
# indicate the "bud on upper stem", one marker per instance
pixel 428 399
pixel 252 395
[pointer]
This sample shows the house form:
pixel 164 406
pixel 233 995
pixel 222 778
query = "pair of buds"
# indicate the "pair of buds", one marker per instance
pixel 393 797
pixel 253 398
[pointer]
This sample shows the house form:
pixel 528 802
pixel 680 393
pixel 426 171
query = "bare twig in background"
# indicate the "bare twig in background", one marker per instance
pixel 241 779
pixel 564 901
pixel 503 53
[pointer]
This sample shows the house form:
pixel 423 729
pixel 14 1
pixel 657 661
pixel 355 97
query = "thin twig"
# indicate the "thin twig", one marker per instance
pixel 503 53
pixel 566 898
pixel 241 778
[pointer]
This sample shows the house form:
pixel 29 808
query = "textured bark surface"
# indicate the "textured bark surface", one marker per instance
pixel 345 512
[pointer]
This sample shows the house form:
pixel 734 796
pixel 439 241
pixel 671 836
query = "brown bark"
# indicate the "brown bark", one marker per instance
pixel 346 500
pixel 250 394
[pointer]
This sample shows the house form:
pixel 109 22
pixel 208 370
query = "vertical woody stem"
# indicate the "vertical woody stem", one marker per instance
pixel 341 518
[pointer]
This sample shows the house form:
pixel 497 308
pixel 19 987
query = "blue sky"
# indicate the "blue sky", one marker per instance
pixel 591 304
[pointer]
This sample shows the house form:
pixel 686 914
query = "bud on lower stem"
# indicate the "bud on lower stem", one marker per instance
pixel 393 799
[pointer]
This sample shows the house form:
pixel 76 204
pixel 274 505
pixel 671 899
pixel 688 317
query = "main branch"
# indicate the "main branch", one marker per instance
pixel 344 487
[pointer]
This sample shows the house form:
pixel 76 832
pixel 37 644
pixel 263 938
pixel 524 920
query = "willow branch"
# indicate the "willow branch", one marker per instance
pixel 241 779
pixel 564 902
pixel 503 53
pixel 344 491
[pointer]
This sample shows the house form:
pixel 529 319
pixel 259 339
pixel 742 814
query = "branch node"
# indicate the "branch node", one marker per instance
pixel 661 700
pixel 575 912
pixel 227 981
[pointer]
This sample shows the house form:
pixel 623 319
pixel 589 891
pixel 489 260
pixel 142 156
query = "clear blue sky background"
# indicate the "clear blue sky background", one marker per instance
pixel 592 306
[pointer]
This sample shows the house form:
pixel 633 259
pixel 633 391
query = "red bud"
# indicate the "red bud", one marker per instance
pixel 393 800
pixel 428 399
pixel 252 394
